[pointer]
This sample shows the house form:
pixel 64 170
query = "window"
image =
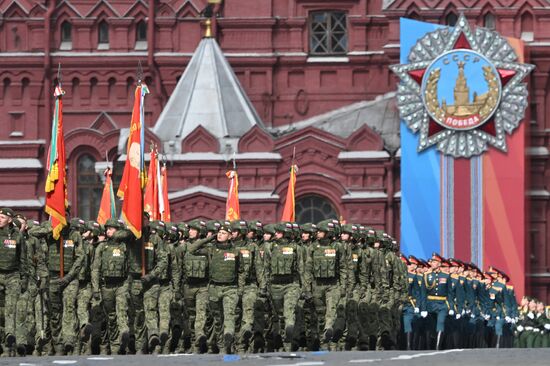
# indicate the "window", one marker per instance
pixel 328 33
pixel 89 188
pixel 103 35
pixel 451 19
pixel 489 21
pixel 66 36
pixel 141 35
pixel 314 209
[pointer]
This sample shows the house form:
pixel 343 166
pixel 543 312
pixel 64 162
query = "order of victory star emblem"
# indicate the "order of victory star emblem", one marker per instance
pixel 462 90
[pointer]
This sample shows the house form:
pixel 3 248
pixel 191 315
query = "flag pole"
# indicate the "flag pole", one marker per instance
pixel 141 243
pixel 61 256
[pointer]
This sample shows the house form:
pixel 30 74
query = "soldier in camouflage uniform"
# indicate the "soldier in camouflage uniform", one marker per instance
pixel 156 264
pixel 25 303
pixel 373 279
pixel 62 290
pixel 353 333
pixel 286 271
pixel 37 236
pixel 110 284
pixel 195 290
pixel 255 283
pixel 170 286
pixel 326 271
pixel 87 314
pixel 227 278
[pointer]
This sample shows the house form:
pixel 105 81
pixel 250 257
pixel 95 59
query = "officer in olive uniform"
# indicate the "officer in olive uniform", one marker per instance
pixel 227 279
pixel 439 294
pixel 415 307
pixel 286 275
pixel 326 271
pixel 110 284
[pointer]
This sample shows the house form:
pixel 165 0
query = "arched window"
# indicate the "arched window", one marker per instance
pixel 313 209
pixel 89 188
pixel 328 33
pixel 451 19
pixel 66 36
pixel 103 35
pixel 489 21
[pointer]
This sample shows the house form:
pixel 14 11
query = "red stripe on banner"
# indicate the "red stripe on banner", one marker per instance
pixel 504 204
pixel 462 209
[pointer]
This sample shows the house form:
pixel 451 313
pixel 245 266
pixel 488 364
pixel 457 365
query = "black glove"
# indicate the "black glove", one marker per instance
pixel 344 293
pixel 24 285
pixel 64 282
pixel 263 292
pixel 96 295
pixel 306 295
pixel 147 278
pixel 177 296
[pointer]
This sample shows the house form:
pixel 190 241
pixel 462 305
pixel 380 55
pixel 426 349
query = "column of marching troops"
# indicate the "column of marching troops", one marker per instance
pixel 226 287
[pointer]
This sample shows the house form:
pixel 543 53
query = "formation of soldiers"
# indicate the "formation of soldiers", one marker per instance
pixel 226 287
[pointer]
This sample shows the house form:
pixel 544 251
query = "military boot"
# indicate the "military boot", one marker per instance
pixel 228 343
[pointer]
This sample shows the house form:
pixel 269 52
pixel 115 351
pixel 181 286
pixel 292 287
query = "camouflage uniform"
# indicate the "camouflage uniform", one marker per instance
pixel 227 278
pixel 326 271
pixel 286 277
pixel 110 284
pixel 13 278
pixel 156 264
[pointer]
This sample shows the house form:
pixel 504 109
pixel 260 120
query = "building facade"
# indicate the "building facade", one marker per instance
pixel 313 84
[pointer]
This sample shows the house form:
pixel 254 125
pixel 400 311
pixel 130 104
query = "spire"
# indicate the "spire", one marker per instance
pixel 208 94
pixel 208 32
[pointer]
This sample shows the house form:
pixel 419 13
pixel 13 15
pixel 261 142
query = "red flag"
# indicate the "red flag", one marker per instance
pixel 56 179
pixel 288 211
pixel 232 211
pixel 165 206
pixel 133 178
pixel 151 200
pixel 107 208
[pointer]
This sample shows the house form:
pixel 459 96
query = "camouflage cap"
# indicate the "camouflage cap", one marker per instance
pixel 326 226
pixel 213 225
pixel 197 224
pixel 255 225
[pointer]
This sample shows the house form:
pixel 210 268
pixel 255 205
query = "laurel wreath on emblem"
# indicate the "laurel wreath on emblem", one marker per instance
pixel 504 104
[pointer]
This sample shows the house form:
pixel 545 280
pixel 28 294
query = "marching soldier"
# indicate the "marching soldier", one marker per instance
pixel 286 277
pixel 326 276
pixel 227 278
pixel 439 295
pixel 110 284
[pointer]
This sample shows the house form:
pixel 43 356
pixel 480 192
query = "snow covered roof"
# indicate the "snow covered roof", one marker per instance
pixel 209 95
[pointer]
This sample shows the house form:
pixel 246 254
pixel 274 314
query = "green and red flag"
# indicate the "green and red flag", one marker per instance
pixel 133 178
pixel 56 180
pixel 107 207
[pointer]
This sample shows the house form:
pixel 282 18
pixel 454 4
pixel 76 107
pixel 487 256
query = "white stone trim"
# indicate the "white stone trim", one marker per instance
pixel 254 195
pixel 20 163
pixel 30 203
pixel 362 155
pixel 352 195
